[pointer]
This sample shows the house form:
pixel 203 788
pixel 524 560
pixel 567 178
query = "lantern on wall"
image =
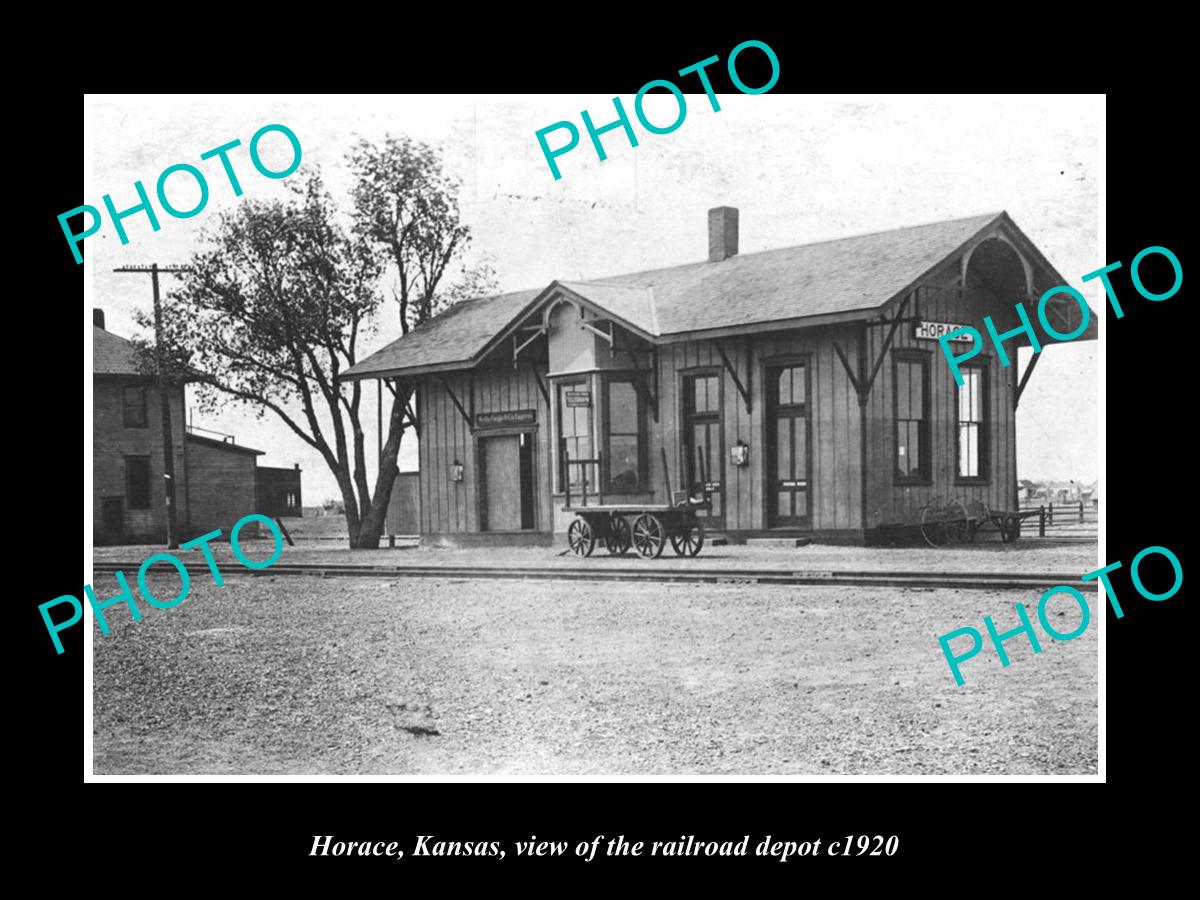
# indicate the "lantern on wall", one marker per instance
pixel 739 453
pixel 456 470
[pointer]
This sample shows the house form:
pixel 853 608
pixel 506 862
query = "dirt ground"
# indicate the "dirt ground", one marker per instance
pixel 308 675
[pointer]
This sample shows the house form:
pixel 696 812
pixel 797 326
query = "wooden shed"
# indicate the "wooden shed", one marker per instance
pixel 809 379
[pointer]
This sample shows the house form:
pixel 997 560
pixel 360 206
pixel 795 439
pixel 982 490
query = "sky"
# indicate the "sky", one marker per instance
pixel 799 169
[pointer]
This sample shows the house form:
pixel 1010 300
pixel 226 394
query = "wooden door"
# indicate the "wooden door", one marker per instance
pixel 703 439
pixel 507 474
pixel 788 444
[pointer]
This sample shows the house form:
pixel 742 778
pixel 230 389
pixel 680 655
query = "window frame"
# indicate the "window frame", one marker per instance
pixel 925 432
pixel 643 434
pixel 125 407
pixel 688 416
pixel 129 497
pixel 561 476
pixel 985 426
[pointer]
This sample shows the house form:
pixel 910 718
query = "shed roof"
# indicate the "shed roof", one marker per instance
pixel 851 276
pixel 223 445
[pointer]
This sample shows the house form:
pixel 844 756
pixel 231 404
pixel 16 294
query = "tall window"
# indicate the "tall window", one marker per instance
pixel 702 436
pixel 624 426
pixel 972 424
pixel 135 406
pixel 912 419
pixel 574 431
pixel 137 482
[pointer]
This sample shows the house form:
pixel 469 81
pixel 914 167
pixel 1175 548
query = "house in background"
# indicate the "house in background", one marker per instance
pixel 1027 490
pixel 216 480
pixel 803 387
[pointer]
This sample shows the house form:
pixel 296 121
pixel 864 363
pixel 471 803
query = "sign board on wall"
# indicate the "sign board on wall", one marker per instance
pixel 931 331
pixel 578 398
pixel 506 418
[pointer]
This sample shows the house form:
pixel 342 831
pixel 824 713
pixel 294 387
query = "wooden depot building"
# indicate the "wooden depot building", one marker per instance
pixel 808 378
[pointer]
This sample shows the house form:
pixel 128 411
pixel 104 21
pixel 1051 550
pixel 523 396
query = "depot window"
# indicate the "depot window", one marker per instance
pixel 911 400
pixel 972 432
pixel 575 433
pixel 624 435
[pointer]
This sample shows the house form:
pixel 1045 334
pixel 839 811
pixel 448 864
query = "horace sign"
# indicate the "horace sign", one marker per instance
pixel 932 331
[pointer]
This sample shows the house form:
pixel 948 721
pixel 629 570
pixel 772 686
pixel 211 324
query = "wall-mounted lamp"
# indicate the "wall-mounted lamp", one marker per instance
pixel 456 470
pixel 739 453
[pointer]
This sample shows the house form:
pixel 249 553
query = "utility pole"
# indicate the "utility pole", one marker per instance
pixel 164 396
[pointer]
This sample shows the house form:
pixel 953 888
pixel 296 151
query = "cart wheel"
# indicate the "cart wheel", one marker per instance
pixel 619 539
pixel 933 526
pixel 580 538
pixel 1010 530
pixel 649 536
pixel 957 522
pixel 689 540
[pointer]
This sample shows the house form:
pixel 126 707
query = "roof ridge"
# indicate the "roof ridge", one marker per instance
pixel 848 237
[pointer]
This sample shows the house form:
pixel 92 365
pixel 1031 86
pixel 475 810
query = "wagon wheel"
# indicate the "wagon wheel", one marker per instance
pixel 957 522
pixel 1010 529
pixel 649 536
pixel 978 515
pixel 619 539
pixel 932 528
pixel 689 539
pixel 580 538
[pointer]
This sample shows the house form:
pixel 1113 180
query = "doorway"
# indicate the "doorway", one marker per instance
pixel 788 432
pixel 506 472
pixel 703 438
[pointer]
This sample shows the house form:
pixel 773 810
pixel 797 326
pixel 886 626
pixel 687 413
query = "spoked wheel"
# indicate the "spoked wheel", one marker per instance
pixel 957 522
pixel 649 536
pixel 580 538
pixel 619 539
pixel 689 540
pixel 943 522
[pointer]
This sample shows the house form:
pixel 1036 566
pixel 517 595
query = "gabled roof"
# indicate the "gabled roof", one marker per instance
pixel 112 355
pixel 845 278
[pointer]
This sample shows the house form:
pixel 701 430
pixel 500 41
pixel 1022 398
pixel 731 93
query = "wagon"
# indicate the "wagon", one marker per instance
pixel 646 528
pixel 956 521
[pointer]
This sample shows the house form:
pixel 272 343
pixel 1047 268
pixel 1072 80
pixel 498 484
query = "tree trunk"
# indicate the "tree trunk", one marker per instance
pixel 350 502
pixel 373 521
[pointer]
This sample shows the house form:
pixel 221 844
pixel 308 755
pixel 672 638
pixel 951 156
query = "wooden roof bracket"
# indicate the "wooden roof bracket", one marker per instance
pixel 607 335
pixel 865 391
pixel 538 331
pixel 744 390
pixel 541 386
pixel 1024 378
pixel 467 417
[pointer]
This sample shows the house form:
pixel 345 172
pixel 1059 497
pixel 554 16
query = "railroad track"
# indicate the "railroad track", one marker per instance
pixel 929 580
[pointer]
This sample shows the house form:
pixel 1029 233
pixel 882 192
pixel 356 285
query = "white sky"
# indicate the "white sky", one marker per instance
pixel 798 168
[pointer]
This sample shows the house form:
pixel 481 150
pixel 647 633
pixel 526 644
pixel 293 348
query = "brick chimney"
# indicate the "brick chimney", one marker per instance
pixel 98 318
pixel 722 233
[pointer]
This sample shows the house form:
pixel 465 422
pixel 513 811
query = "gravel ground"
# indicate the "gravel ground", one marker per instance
pixel 439 676
pixel 1025 557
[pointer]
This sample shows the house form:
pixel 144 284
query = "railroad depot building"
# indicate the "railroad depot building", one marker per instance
pixel 804 385
pixel 217 480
